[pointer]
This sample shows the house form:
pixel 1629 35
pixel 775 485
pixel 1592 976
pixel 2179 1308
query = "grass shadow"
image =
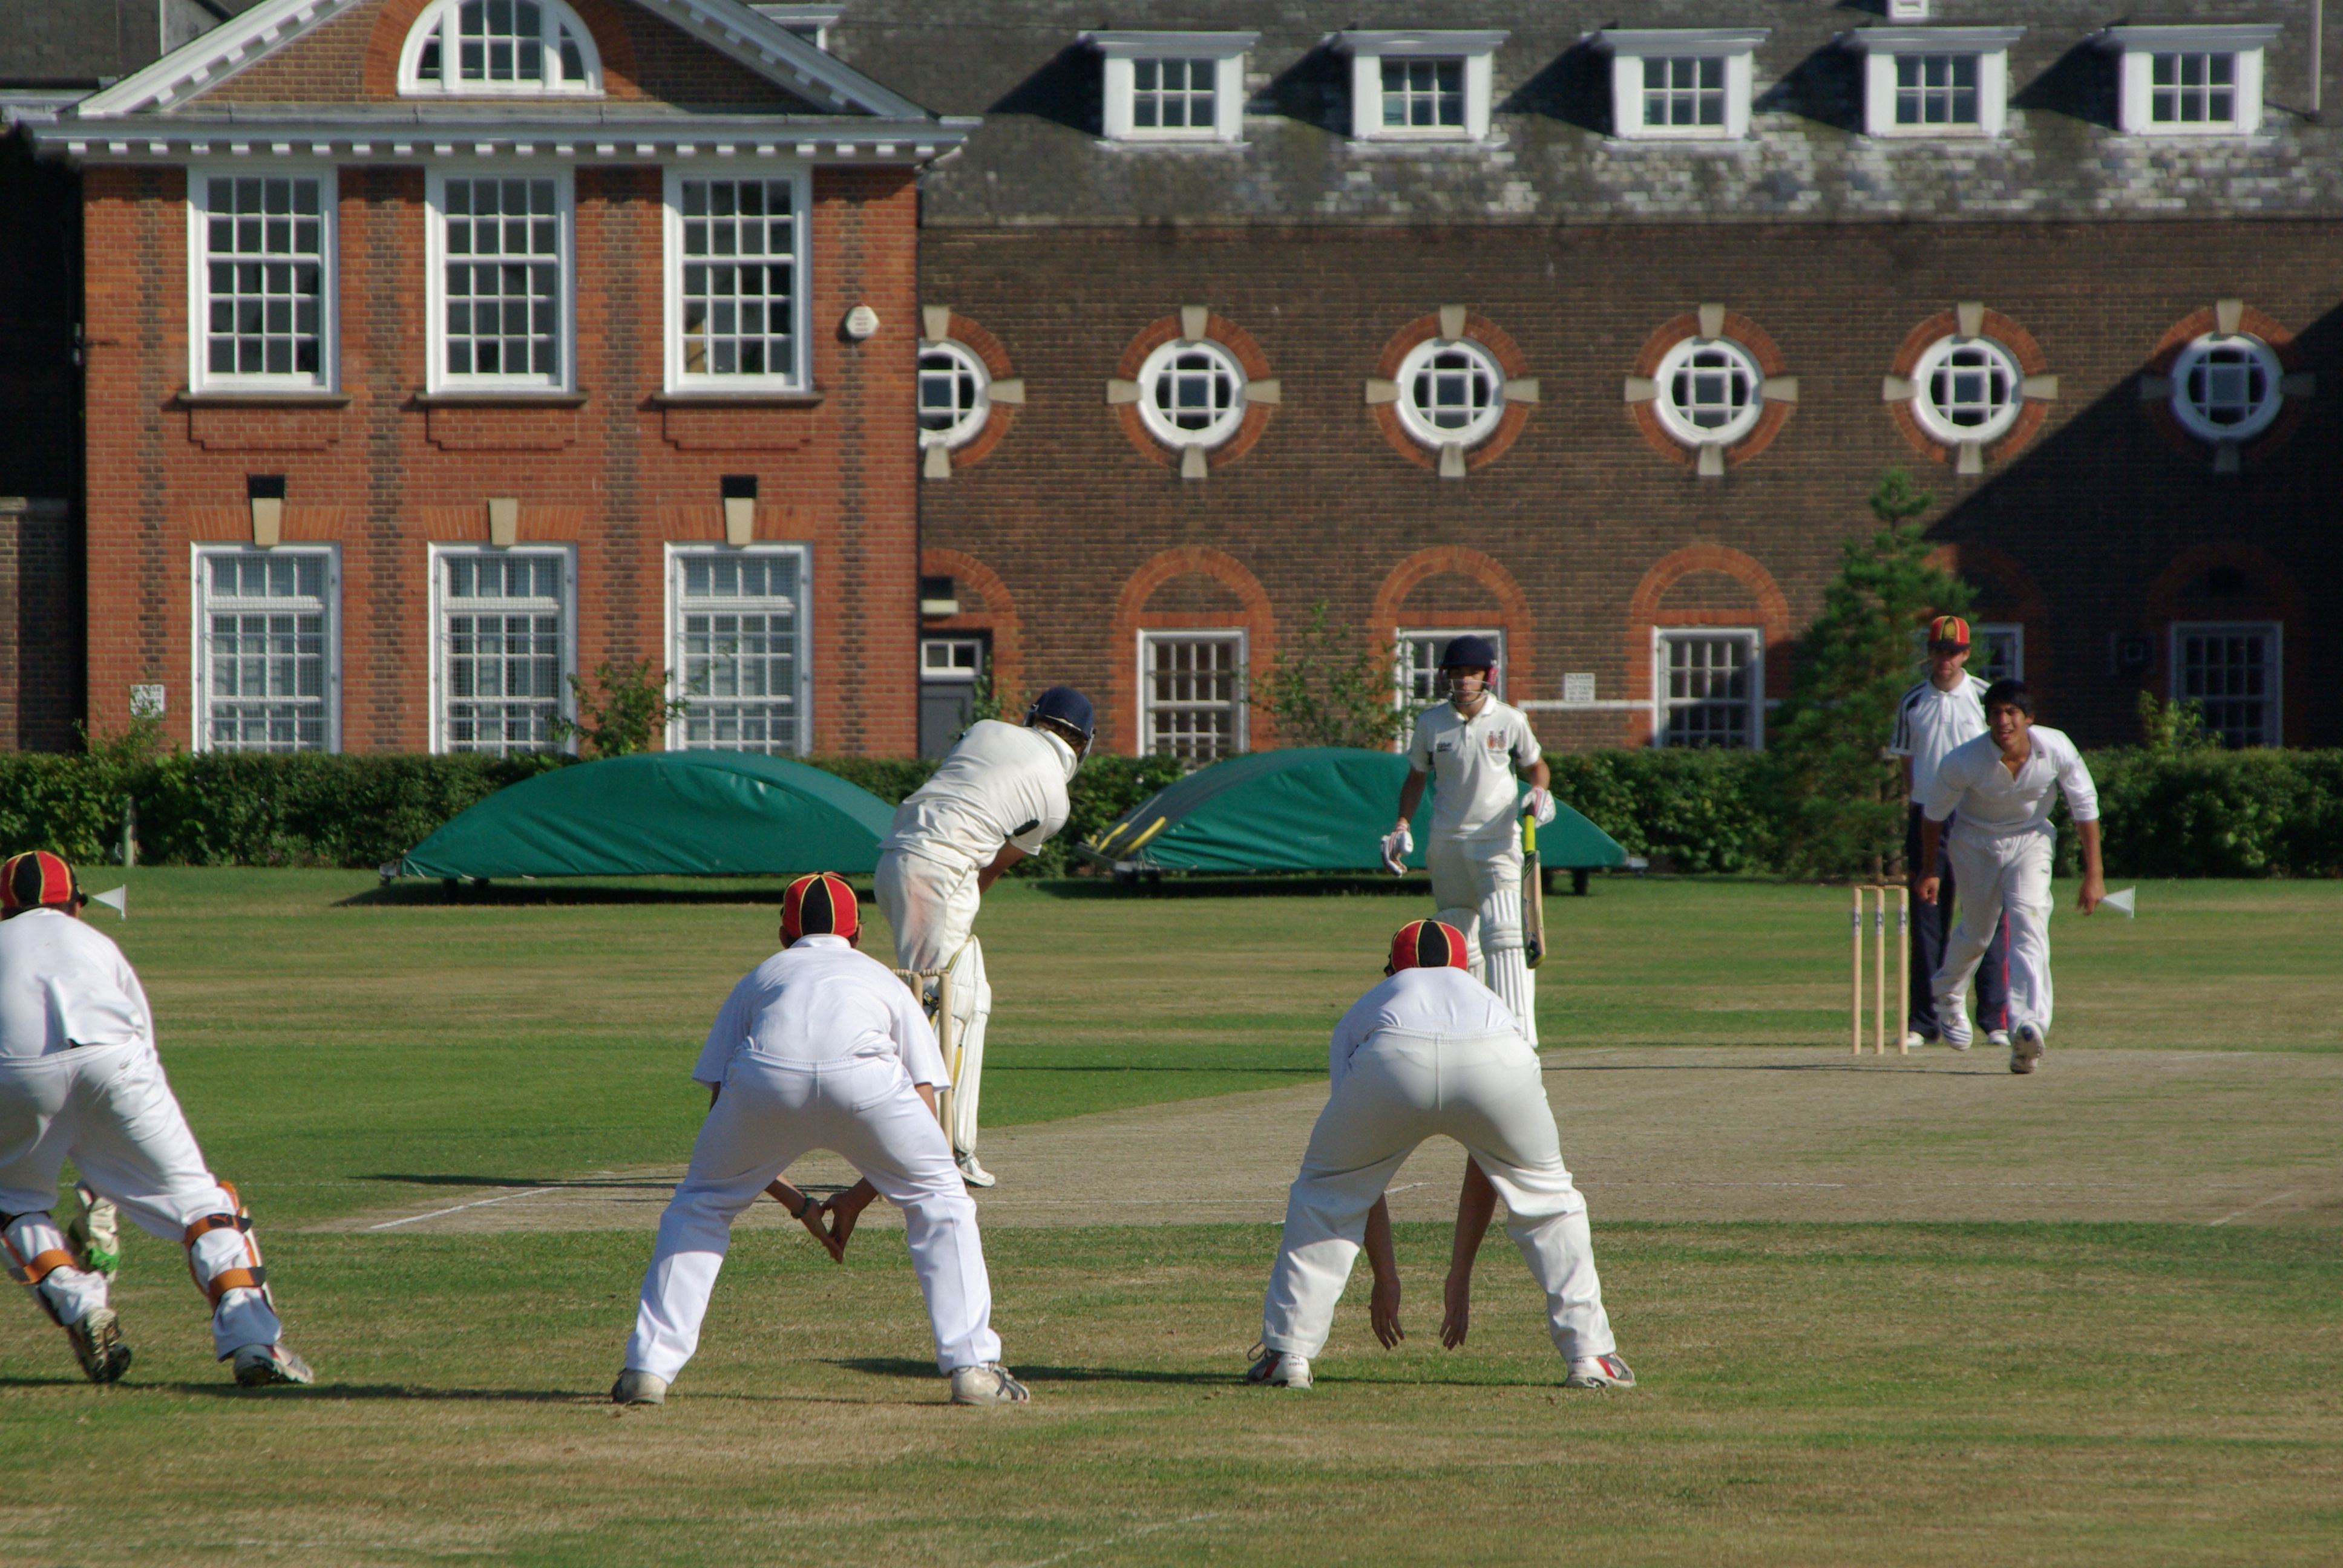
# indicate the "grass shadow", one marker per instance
pixel 383 1392
pixel 904 1367
pixel 409 893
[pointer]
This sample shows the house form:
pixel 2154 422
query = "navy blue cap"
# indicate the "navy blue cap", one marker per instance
pixel 1469 653
pixel 1065 705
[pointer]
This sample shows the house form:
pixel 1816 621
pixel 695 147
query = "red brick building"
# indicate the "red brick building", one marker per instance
pixel 438 350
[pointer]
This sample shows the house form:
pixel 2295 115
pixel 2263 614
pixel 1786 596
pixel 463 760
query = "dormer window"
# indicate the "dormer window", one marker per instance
pixel 1173 86
pixel 1420 85
pixel 466 47
pixel 1935 81
pixel 2189 80
pixel 1681 84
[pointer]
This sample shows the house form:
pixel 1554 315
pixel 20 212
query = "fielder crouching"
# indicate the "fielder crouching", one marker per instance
pixel 821 1047
pixel 1432 1050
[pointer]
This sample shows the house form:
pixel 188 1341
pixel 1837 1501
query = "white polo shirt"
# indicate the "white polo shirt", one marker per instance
pixel 1002 784
pixel 63 984
pixel 1993 803
pixel 821 1000
pixel 1423 1001
pixel 1929 723
pixel 1472 763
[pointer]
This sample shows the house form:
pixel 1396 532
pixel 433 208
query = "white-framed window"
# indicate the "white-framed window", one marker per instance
pixel 1173 86
pixel 502 283
pixel 269 674
pixel 1191 393
pixel 2227 386
pixel 1416 662
pixel 498 47
pixel 1966 389
pixel 1681 83
pixel 1711 686
pixel 736 270
pixel 737 624
pixel 1710 391
pixel 2189 80
pixel 2232 673
pixel 954 393
pixel 1418 86
pixel 952 658
pixel 504 643
pixel 1997 650
pixel 1935 81
pixel 260 274
pixel 1451 392
pixel 1192 694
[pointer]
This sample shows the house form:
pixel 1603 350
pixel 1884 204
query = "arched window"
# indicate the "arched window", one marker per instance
pixel 464 47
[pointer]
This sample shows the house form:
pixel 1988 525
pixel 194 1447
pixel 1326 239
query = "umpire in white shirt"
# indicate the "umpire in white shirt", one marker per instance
pixel 1934 717
pixel 1997 790
pixel 1430 1051
pixel 819 1047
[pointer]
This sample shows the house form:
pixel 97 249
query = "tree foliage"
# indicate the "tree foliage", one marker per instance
pixel 630 711
pixel 1327 689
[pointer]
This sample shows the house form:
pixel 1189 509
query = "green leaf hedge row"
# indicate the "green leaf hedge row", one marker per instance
pixel 2190 814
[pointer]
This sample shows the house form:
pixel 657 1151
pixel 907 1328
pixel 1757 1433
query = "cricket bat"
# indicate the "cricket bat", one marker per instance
pixel 1533 895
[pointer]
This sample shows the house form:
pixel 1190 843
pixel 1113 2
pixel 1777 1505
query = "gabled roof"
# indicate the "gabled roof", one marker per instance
pixel 727 26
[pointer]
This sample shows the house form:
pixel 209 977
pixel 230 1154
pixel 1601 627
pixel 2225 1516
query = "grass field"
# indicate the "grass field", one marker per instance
pixel 1813 1394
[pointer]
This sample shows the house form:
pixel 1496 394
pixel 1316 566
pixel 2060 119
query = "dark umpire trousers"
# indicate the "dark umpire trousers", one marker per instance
pixel 1929 924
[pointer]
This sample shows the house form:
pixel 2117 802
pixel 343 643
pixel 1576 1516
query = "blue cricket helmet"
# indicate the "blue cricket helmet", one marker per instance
pixel 1469 653
pixel 1068 707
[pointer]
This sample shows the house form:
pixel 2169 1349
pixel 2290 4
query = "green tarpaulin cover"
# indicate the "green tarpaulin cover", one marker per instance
pixel 669 814
pixel 1310 808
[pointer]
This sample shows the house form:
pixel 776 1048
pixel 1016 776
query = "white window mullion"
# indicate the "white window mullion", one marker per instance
pixel 737 285
pixel 504 645
pixel 260 266
pixel 737 623
pixel 502 281
pixel 1709 688
pixel 2232 673
pixel 1192 694
pixel 267 639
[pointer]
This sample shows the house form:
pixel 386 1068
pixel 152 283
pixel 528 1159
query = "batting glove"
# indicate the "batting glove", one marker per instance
pixel 1540 803
pixel 1398 845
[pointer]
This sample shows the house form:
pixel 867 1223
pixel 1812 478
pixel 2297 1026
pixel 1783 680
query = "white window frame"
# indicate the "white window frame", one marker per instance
pixel 2134 75
pixel 438 13
pixel 2274 702
pixel 1403 668
pixel 200 377
pixel 966 361
pixel 1414 419
pixel 1883 46
pixel 705 382
pixel 1368 51
pixel 437 378
pixel 952 674
pixel 675 554
pixel 1681 428
pixel 2184 408
pixel 1737 46
pixel 435 555
pixel 1931 419
pixel 1751 637
pixel 1226 51
pixel 200 604
pixel 1225 425
pixel 1239 738
pixel 2010 631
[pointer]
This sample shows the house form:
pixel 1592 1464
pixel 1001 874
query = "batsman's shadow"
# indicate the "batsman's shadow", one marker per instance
pixel 903 1366
pixel 345 1390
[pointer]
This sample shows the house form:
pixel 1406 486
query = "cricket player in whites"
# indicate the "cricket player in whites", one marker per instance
pixel 997 799
pixel 1469 746
pixel 79 1079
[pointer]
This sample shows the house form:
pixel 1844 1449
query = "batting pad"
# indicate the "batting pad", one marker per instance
pixel 971 1006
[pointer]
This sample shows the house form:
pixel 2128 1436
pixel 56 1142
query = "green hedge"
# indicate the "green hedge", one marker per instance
pixel 2188 814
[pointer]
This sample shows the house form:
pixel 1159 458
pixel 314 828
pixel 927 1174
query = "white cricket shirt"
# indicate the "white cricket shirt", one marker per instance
pixel 1994 804
pixel 1002 784
pixel 1421 1001
pixel 1929 723
pixel 820 1001
pixel 1471 762
pixel 63 984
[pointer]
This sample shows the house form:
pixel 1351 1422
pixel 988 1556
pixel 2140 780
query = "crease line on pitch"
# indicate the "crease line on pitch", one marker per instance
pixel 2273 1198
pixel 482 1203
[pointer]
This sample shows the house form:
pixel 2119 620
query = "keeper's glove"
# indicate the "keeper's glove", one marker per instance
pixel 1398 845
pixel 1539 804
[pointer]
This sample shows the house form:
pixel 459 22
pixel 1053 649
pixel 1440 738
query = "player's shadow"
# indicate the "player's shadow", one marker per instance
pixel 904 1367
pixel 409 893
pixel 345 1390
pixel 1207 887
pixel 564 1184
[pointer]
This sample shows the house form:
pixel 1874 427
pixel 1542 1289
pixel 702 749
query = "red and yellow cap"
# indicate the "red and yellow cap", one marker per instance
pixel 36 880
pixel 1428 945
pixel 821 905
pixel 1949 628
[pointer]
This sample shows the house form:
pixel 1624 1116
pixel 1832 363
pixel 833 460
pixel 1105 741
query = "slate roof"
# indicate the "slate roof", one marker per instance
pixel 81 43
pixel 1549 159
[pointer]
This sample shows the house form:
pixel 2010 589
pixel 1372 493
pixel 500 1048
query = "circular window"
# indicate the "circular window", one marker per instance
pixel 1450 393
pixel 952 395
pixel 1191 393
pixel 2227 389
pixel 1966 389
pixel 1709 391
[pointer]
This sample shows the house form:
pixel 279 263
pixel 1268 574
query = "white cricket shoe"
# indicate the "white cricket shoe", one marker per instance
pixel 1955 1028
pixel 990 1384
pixel 1914 1039
pixel 264 1366
pixel 1279 1369
pixel 1599 1371
pixel 1998 1038
pixel 638 1388
pixel 2026 1048
pixel 975 1175
pixel 98 1345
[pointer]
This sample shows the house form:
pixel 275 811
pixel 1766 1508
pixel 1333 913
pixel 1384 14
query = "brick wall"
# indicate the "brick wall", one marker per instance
pixel 2099 524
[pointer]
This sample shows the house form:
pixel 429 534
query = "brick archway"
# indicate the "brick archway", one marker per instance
pixel 1514 612
pixel 999 616
pixel 1770 611
pixel 2279 598
pixel 1131 617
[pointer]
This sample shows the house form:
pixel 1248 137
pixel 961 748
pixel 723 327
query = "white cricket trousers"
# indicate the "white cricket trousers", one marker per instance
pixel 1484 1091
pixel 1477 883
pixel 771 1112
pixel 110 1109
pixel 932 907
pixel 2001 879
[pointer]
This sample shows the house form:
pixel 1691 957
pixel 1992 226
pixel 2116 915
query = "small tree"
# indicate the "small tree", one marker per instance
pixel 2173 726
pixel 1326 690
pixel 1838 797
pixel 632 709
